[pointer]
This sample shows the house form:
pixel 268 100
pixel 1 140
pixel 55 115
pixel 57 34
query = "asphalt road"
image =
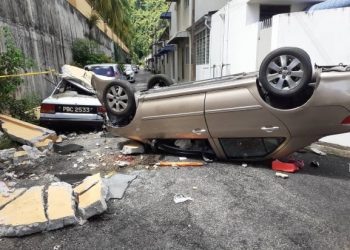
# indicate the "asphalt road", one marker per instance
pixel 233 207
pixel 141 80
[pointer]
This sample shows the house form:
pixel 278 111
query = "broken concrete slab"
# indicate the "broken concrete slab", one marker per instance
pixel 25 215
pixel 60 206
pixel 24 132
pixel 7 198
pixel 91 201
pixel 87 183
pixel 117 185
pixel 45 144
pixel 133 148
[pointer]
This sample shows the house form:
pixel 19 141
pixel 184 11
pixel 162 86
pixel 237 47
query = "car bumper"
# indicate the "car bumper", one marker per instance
pixel 71 120
pixel 64 123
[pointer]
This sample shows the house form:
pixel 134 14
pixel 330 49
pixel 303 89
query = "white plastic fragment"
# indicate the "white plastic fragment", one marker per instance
pixel 283 176
pixel 179 198
pixel 317 151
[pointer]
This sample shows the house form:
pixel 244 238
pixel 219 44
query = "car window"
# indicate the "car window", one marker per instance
pixel 242 148
pixel 103 70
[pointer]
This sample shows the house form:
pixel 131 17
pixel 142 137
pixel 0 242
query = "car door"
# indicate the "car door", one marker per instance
pixel 241 126
pixel 173 116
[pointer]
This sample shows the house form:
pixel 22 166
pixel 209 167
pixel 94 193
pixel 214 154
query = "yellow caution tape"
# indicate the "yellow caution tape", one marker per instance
pixel 29 74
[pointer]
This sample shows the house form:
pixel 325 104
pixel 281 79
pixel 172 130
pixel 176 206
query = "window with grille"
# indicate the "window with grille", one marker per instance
pixel 202 47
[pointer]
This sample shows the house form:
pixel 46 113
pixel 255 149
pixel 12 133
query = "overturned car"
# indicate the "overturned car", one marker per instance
pixel 268 114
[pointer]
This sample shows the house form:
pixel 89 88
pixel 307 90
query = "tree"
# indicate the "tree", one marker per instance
pixel 145 16
pixel 115 13
pixel 86 52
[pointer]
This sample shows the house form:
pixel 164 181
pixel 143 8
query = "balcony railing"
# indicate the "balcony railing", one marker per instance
pixel 265 24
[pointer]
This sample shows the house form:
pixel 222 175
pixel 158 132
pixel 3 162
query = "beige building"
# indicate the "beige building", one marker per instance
pixel 172 53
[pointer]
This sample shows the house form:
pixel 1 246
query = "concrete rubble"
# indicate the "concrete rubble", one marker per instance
pixel 60 206
pixel 91 196
pixel 44 208
pixel 24 215
pixel 133 148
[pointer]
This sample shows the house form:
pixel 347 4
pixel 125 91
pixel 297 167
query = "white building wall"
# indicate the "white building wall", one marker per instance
pixel 235 46
pixel 323 34
pixel 203 7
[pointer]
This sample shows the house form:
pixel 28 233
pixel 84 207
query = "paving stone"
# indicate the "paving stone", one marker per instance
pixel 92 201
pixel 60 206
pixel 117 185
pixel 6 199
pixel 25 215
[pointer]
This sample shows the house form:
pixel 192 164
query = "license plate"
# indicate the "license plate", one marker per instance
pixel 76 109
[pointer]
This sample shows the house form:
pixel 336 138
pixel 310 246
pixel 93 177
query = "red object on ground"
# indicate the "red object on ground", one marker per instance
pixel 291 166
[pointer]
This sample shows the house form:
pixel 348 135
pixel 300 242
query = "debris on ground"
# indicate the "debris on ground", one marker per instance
pixel 7 154
pixel 289 166
pixel 315 164
pixel 317 151
pixel 179 164
pixel 133 148
pixel 244 165
pixel 183 144
pixel 67 149
pixel 179 198
pixel 117 185
pixel 206 159
pixel 283 176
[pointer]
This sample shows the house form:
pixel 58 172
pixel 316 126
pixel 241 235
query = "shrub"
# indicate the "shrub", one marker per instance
pixel 13 61
pixel 86 52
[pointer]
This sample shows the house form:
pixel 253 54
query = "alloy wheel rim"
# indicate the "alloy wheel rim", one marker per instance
pixel 285 72
pixel 117 99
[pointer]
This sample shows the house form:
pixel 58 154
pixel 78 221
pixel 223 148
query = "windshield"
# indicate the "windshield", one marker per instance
pixel 103 70
pixel 127 67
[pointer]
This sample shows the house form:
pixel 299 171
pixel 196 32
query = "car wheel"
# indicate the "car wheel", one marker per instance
pixel 119 98
pixel 159 81
pixel 286 71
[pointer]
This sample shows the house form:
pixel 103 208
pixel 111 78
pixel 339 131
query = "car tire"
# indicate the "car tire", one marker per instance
pixel 159 80
pixel 119 99
pixel 286 72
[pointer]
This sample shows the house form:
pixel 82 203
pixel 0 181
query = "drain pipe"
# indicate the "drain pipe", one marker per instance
pixel 206 17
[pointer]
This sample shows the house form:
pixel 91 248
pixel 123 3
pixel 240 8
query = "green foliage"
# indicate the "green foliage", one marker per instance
pixel 116 13
pixel 145 17
pixel 6 142
pixel 13 61
pixel 86 52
